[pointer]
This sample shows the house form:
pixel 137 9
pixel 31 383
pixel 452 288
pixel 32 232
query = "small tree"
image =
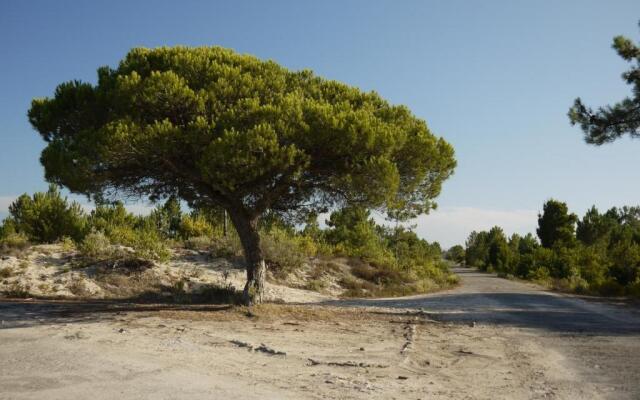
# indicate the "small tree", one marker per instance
pixel 220 129
pixel 556 225
pixel 456 254
pixel 477 249
pixel 498 256
pixel 611 122
pixel 595 227
pixel 47 217
pixel 168 217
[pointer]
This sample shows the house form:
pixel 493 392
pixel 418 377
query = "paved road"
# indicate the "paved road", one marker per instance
pixel 486 298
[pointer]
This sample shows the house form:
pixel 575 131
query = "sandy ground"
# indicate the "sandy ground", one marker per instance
pixel 49 271
pixel 488 339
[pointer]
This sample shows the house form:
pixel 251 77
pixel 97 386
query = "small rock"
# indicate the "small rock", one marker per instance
pixel 402 377
pixel 361 348
pixel 472 324
pixel 122 330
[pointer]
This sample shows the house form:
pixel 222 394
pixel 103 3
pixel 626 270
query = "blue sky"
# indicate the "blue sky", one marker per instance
pixel 495 78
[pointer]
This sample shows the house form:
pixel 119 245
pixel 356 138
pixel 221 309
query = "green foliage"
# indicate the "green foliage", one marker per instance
pixel 498 255
pixel 456 254
pixel 209 120
pixel 595 227
pixel 199 243
pixel 283 251
pixel 149 245
pixel 221 129
pixel 194 225
pixel 13 242
pixel 353 232
pixel 389 261
pixel 167 218
pixel 96 246
pixel 556 226
pixel 604 259
pixel 609 123
pixel 477 249
pixel 46 217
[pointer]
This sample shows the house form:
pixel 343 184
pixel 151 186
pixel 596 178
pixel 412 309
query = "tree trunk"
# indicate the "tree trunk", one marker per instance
pixel 247 229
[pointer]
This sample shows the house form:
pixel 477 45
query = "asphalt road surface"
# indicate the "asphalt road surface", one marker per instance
pixel 486 298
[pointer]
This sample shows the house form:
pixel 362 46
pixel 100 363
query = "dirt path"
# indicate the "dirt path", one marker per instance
pixel 488 339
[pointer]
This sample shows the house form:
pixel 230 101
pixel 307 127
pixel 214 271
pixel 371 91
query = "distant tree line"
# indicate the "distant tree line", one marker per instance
pixel 598 254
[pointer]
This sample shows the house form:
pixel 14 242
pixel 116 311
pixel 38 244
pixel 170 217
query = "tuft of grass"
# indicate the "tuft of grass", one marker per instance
pixel 78 288
pixel 316 285
pixel 17 290
pixel 202 243
pixel 67 244
pixel 6 272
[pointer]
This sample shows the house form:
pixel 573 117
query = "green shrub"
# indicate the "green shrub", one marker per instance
pixel 148 245
pixel 611 287
pixel 316 285
pixel 199 243
pixel 540 274
pixel 114 220
pixel 283 251
pixel 634 289
pixel 96 245
pixel 195 225
pixel 226 246
pixel 379 274
pixel 14 242
pixel 67 244
pixel 47 217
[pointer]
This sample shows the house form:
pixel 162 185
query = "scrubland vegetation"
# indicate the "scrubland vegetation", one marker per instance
pixel 362 257
pixel 598 254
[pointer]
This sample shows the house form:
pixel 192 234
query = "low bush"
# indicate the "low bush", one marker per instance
pixel 283 252
pixel 149 245
pixel 14 244
pixel 201 243
pixel 194 226
pixel 317 285
pixel 226 247
pixel 46 217
pixel 95 246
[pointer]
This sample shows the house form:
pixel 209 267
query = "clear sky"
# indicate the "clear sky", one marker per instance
pixel 495 78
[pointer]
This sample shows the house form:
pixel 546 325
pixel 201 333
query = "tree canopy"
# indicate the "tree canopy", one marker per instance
pixel 220 129
pixel 556 225
pixel 610 122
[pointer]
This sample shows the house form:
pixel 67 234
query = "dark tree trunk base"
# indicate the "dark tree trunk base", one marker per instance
pixel 247 229
pixel 254 288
